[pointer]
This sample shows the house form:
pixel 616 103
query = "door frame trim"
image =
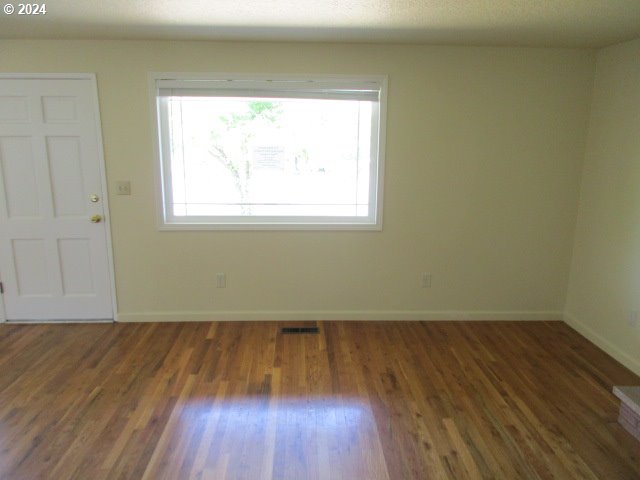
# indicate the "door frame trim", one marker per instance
pixel 3 315
pixel 101 164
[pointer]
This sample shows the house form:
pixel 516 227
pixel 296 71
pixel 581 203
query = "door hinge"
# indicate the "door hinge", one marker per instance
pixel 1 288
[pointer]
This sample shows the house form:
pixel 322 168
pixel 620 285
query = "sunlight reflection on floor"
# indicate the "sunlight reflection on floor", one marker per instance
pixel 292 437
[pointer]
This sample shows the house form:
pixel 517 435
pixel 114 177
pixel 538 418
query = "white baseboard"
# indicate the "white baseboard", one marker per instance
pixel 316 315
pixel 624 358
pixel 57 321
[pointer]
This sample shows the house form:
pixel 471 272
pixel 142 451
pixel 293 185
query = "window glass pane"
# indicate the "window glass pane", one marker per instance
pixel 264 157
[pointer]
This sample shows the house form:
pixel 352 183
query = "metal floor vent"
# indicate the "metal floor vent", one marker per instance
pixel 300 330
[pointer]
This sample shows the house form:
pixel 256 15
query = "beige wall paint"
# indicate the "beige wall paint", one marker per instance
pixel 605 272
pixel 483 160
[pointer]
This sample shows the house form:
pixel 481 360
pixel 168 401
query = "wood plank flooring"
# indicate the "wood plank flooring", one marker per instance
pixel 360 400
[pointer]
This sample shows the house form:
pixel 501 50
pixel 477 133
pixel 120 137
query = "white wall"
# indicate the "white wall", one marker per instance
pixel 484 153
pixel 604 285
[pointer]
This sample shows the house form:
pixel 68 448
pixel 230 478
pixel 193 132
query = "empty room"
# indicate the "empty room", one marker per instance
pixel 357 240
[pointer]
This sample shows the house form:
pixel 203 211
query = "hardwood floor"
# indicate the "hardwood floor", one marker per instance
pixel 360 400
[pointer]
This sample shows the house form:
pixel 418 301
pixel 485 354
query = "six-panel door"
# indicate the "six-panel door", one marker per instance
pixel 53 240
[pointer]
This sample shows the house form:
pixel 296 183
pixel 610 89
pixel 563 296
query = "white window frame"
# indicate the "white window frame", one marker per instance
pixel 373 221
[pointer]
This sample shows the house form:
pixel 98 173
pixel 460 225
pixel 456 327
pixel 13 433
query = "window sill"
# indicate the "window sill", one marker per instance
pixel 186 227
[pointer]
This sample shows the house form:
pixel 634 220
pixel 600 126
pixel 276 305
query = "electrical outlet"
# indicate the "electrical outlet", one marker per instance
pixel 426 280
pixel 221 280
pixel 123 187
pixel 633 319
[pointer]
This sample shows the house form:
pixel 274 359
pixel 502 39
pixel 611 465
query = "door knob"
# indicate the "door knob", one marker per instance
pixel 96 219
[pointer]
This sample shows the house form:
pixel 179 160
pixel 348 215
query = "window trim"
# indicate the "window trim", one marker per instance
pixel 376 180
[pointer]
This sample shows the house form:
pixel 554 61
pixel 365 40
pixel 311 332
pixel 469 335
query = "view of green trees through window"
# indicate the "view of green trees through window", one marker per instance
pixel 239 156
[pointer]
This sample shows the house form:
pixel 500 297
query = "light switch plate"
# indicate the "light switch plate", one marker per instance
pixel 123 187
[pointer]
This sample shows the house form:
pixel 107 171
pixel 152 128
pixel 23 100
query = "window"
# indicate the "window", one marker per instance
pixel 291 153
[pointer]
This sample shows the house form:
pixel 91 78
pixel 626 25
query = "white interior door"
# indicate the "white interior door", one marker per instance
pixel 54 250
